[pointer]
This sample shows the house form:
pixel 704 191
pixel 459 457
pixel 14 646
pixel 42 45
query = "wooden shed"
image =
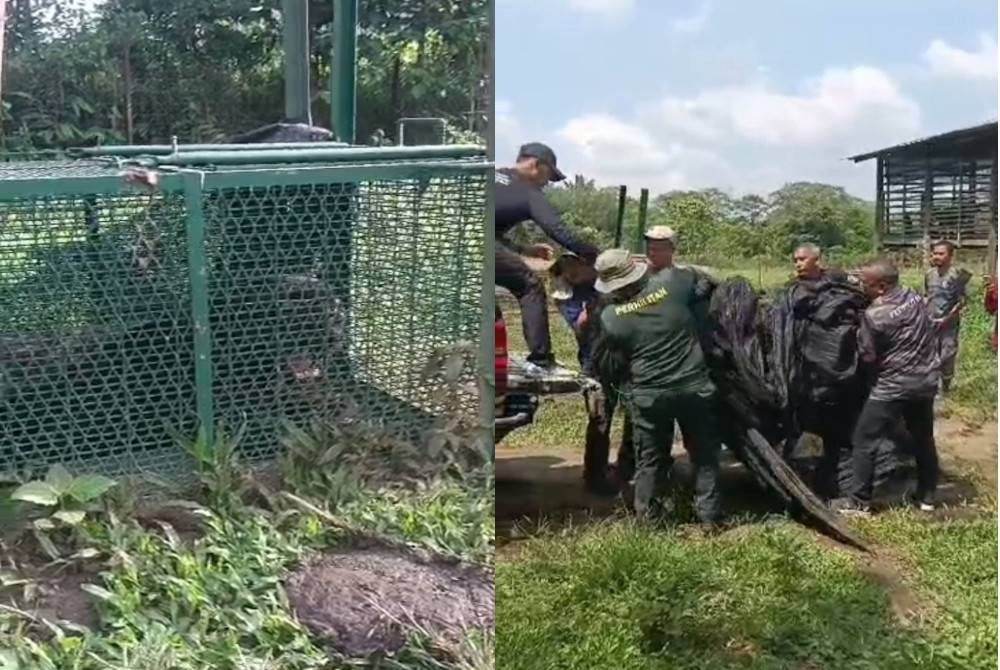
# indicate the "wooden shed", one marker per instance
pixel 939 187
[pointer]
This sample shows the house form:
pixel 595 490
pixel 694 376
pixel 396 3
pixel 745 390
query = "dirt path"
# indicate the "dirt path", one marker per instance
pixel 544 485
pixel 964 446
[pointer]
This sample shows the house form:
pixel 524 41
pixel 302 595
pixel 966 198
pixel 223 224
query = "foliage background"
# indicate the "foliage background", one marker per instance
pixel 141 71
pixel 715 227
pixel 720 229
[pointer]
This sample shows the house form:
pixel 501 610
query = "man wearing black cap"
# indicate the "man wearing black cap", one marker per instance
pixel 519 198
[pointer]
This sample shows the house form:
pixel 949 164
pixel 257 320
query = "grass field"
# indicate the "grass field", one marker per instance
pixel 768 594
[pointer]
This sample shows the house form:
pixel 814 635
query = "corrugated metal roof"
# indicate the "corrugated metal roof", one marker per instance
pixel 943 137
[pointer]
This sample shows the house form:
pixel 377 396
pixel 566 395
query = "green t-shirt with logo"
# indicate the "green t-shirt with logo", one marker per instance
pixel 656 332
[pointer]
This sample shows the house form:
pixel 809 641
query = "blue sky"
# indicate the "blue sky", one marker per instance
pixel 738 94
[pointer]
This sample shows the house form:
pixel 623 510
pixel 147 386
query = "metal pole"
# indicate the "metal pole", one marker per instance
pixel 641 232
pixel 264 156
pixel 125 151
pixel 200 308
pixel 881 220
pixel 991 244
pixel 926 212
pixel 343 84
pixel 620 221
pixel 295 39
pixel 3 31
pixel 487 374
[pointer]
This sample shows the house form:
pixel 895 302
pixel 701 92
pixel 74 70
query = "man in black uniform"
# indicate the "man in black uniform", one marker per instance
pixel 519 198
pixel 827 311
pixel 898 340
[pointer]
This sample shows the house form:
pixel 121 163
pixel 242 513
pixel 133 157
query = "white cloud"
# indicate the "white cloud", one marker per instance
pixel 505 123
pixel 695 23
pixel 945 60
pixel 747 138
pixel 603 7
pixel 615 143
pixel 832 108
pixel 613 151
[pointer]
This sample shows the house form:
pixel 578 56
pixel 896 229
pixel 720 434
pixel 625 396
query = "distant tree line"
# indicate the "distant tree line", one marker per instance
pixel 716 227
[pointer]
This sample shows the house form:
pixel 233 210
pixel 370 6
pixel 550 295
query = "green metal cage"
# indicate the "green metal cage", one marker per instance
pixel 249 288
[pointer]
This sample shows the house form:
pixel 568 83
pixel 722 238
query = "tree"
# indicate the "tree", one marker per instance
pixel 822 214
pixel 751 210
pixel 146 70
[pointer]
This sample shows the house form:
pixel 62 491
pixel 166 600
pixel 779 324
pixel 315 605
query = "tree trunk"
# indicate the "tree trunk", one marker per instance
pixel 395 97
pixel 129 94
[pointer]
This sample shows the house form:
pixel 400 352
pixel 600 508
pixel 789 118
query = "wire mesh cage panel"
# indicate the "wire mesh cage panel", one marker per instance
pixel 249 295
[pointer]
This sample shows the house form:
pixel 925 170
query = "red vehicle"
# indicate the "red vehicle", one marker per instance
pixel 513 409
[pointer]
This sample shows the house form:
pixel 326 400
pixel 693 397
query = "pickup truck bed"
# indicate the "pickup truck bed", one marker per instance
pixel 553 382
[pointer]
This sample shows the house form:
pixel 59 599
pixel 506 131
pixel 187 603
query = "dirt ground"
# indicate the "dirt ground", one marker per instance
pixel 545 485
pixel 45 593
pixel 48 591
pixel 963 445
pixel 365 601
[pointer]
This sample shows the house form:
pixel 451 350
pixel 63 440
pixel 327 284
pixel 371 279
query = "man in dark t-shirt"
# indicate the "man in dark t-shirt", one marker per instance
pixel 945 288
pixel 654 356
pixel 519 198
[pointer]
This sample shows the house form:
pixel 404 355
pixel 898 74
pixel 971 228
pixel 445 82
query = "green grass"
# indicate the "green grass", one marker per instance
pixel 216 599
pixel 765 596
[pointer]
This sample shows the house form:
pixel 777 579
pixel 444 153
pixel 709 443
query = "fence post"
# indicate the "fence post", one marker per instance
pixel 881 220
pixel 487 347
pixel 640 235
pixel 198 275
pixel 620 220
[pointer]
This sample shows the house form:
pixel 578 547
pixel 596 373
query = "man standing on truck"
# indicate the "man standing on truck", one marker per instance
pixel 649 349
pixel 519 198
pixel 897 339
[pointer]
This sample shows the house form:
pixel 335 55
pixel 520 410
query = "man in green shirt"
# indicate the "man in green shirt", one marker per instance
pixel 649 347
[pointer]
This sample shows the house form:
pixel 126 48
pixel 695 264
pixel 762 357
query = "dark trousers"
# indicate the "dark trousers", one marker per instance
pixel 832 422
pixel 876 423
pixel 947 342
pixel 513 274
pixel 654 414
pixel 598 446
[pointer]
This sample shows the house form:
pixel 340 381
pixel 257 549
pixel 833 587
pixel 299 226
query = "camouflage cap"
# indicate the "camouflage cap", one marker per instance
pixel 664 233
pixel 616 269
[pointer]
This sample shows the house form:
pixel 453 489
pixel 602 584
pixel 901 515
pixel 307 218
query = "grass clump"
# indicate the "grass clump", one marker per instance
pixel 214 597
